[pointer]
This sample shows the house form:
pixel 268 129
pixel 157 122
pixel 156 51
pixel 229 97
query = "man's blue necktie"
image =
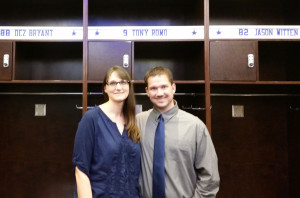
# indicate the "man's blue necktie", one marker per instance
pixel 159 160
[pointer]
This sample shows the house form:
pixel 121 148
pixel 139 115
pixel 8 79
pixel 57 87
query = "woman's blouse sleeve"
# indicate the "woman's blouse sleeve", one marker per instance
pixel 84 143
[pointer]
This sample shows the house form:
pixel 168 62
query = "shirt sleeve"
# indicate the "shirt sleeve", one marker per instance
pixel 84 144
pixel 206 164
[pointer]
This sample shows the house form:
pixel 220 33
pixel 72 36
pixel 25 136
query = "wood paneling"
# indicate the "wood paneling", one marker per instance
pixel 278 61
pixel 48 61
pixel 184 59
pixel 103 55
pixel 36 152
pixel 294 146
pixel 253 150
pixel 229 60
pixel 6 72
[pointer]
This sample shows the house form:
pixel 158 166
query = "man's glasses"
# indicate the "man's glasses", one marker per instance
pixel 114 84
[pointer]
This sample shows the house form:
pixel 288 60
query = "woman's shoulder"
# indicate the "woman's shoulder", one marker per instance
pixel 92 113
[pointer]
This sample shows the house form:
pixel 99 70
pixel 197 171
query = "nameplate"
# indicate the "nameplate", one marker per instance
pixel 40 33
pixel 147 33
pixel 132 33
pixel 254 32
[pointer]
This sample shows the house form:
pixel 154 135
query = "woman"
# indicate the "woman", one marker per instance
pixel 106 152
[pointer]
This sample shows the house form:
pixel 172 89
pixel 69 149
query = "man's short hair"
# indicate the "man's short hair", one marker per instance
pixel 156 71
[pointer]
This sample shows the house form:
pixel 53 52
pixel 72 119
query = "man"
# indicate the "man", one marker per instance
pixel 190 161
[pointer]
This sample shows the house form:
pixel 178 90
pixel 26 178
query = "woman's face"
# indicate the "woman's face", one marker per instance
pixel 116 88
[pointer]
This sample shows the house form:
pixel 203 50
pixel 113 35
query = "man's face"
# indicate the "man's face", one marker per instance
pixel 161 92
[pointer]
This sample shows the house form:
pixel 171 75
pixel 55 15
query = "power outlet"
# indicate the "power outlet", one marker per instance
pixel 40 110
pixel 237 111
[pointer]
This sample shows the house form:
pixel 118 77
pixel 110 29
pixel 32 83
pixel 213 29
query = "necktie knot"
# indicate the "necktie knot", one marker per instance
pixel 160 118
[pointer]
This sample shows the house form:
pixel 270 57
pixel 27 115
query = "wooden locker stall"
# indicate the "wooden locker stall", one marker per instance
pixel 257 148
pixel 36 150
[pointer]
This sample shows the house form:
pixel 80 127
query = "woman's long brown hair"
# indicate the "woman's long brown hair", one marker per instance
pixel 129 104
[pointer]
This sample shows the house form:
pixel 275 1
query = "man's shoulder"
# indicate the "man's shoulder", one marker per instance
pixel 187 114
pixel 143 114
pixel 190 117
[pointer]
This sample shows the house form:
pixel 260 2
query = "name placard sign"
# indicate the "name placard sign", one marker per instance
pixel 147 33
pixel 40 33
pixel 254 32
pixel 132 33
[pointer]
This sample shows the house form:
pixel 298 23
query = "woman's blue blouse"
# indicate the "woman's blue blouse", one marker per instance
pixel 110 159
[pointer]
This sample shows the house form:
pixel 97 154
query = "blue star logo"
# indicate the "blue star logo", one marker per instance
pixel 97 33
pixel 194 32
pixel 73 33
pixel 218 32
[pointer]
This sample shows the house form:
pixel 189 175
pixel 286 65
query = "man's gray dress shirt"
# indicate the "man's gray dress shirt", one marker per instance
pixel 191 164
